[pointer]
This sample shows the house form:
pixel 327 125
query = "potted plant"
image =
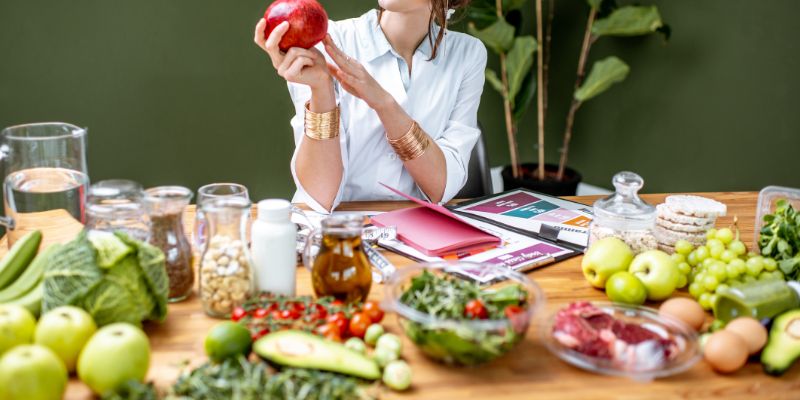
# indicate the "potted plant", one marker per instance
pixel 498 24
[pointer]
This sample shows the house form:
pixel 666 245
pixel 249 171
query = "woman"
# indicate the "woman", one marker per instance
pixel 394 103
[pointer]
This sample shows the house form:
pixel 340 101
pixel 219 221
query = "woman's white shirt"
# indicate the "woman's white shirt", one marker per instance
pixel 442 95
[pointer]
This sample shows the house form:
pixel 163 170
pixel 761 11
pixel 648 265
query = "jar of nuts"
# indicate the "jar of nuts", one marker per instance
pixel 226 278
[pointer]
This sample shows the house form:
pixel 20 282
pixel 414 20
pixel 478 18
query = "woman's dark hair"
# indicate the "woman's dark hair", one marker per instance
pixel 439 10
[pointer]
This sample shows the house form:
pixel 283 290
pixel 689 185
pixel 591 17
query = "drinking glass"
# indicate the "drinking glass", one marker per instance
pixel 116 205
pixel 210 192
pixel 45 179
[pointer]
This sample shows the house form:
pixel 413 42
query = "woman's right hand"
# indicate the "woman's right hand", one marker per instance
pixel 298 65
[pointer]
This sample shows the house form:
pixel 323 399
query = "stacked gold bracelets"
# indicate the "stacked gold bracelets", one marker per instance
pixel 322 126
pixel 411 145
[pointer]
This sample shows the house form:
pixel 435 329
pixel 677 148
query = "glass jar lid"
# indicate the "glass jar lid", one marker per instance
pixel 625 210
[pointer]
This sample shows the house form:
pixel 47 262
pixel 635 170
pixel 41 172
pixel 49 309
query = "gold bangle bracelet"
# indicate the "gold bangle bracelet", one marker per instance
pixel 321 126
pixel 412 145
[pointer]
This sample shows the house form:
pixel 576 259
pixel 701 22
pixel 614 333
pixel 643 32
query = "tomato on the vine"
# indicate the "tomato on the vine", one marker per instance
pixel 238 313
pixel 329 331
pixel 337 303
pixel 319 312
pixel 290 314
pixel 275 315
pixel 261 313
pixel 373 310
pixel 258 335
pixel 475 309
pixel 359 324
pixel 340 320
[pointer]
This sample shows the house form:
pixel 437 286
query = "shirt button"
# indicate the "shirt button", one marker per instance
pixel 392 156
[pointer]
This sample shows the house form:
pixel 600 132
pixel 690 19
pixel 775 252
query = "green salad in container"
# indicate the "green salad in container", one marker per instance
pixel 457 321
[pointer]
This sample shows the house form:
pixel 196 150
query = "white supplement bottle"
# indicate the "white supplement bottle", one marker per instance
pixel 273 247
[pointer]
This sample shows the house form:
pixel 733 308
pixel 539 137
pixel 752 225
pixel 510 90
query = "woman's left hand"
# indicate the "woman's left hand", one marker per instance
pixel 355 79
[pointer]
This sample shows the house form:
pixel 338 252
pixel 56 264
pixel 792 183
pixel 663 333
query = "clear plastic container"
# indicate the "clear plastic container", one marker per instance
pixel 644 369
pixel 116 205
pixel 766 205
pixel 624 215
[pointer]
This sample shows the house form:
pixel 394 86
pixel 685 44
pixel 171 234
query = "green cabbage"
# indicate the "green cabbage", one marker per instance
pixel 111 276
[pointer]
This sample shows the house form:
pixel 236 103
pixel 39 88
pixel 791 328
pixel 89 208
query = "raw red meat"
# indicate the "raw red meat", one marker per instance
pixel 590 331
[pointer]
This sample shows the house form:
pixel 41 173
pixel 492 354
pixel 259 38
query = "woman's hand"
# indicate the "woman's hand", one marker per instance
pixel 298 65
pixel 355 79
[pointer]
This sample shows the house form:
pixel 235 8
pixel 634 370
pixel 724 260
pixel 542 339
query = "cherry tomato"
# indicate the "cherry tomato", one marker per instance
pixel 373 310
pixel 258 335
pixel 475 310
pixel 337 303
pixel 290 314
pixel 275 315
pixel 260 313
pixel 319 312
pixel 238 313
pixel 359 324
pixel 516 315
pixel 329 331
pixel 340 320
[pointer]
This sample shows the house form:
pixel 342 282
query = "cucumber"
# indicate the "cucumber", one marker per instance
pixel 31 300
pixel 32 275
pixel 19 257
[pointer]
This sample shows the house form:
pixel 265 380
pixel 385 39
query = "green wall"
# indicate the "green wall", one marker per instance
pixel 175 92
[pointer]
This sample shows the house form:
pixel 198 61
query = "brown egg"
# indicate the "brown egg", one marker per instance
pixel 686 310
pixel 725 351
pixel 751 331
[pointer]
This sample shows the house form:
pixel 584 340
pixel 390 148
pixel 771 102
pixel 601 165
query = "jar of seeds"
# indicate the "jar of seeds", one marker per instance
pixel 226 278
pixel 625 215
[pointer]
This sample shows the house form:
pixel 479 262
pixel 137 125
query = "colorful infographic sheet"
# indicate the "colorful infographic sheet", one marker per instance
pixel 529 211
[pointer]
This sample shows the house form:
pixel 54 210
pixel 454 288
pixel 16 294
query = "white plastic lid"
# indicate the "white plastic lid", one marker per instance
pixel 274 210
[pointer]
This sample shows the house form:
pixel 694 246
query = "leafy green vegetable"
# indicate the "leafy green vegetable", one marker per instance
pixel 780 238
pixel 133 390
pixel 445 297
pixel 124 281
pixel 240 379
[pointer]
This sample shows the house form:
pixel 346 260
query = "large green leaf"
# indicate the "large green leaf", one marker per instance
pixel 525 96
pixel 604 73
pixel 498 36
pixel 629 21
pixel 494 80
pixel 518 63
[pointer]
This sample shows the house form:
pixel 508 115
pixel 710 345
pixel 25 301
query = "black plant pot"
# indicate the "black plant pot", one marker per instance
pixel 566 187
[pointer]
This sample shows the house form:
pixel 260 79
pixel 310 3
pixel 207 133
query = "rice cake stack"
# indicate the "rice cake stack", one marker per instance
pixel 684 217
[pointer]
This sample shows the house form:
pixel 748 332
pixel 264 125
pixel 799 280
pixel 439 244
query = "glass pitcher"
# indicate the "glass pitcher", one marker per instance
pixel 164 206
pixel 45 179
pixel 340 268
pixel 226 276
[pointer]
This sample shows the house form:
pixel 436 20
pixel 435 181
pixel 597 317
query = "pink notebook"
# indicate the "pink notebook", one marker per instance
pixel 433 229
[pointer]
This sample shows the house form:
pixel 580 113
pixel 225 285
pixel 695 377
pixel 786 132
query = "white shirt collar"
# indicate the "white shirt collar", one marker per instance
pixel 376 45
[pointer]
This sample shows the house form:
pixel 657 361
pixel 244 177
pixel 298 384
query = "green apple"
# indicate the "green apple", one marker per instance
pixel 65 330
pixel 32 372
pixel 115 354
pixel 624 287
pixel 16 326
pixel 658 273
pixel 605 257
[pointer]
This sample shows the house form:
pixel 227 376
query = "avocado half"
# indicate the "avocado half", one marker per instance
pixel 304 350
pixel 783 346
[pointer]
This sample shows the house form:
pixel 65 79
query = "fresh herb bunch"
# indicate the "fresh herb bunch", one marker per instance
pixel 447 297
pixel 133 390
pixel 240 379
pixel 780 238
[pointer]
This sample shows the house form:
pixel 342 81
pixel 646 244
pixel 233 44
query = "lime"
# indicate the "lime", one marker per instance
pixel 227 340
pixel 625 287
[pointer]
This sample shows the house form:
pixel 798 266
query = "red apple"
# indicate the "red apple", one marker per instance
pixel 308 22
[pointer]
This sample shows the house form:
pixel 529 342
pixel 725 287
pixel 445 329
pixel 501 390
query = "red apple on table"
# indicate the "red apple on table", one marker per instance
pixel 308 22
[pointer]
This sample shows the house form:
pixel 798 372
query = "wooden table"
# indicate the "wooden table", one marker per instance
pixel 529 372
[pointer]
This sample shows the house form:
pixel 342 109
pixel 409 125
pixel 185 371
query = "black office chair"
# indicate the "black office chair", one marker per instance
pixel 479 176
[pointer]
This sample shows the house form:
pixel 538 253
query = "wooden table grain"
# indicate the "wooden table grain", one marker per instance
pixel 529 372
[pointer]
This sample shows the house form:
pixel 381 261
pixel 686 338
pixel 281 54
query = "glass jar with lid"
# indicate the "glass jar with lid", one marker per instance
pixel 226 276
pixel 116 205
pixel 625 215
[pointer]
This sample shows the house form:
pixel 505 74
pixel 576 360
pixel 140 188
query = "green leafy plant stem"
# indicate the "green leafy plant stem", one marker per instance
pixel 588 40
